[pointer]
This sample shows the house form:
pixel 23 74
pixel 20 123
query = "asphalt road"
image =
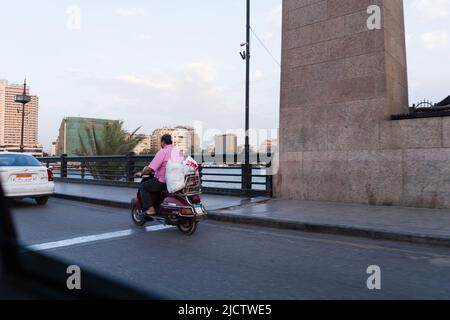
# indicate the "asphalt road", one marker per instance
pixel 231 261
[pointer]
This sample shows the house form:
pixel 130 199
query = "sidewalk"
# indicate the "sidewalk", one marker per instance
pixel 430 226
pixel 121 196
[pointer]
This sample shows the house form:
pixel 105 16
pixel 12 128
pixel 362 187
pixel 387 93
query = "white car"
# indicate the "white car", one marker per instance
pixel 23 176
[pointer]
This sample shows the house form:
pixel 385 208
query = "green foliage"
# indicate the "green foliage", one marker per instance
pixel 111 140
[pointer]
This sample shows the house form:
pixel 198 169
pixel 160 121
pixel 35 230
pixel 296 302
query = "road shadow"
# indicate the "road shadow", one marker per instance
pixel 22 203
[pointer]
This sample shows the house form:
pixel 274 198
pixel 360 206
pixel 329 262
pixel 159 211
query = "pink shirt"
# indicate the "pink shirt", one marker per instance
pixel 159 163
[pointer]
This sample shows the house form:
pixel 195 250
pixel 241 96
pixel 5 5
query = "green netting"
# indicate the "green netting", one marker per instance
pixel 76 127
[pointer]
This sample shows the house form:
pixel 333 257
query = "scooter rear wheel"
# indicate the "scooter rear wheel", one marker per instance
pixel 188 226
pixel 137 215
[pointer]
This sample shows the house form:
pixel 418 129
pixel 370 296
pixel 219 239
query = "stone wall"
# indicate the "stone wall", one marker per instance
pixel 341 82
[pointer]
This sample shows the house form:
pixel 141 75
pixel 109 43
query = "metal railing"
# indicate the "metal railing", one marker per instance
pixel 425 109
pixel 220 174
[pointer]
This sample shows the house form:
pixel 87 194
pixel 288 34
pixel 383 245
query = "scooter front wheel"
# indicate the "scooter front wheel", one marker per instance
pixel 137 215
pixel 188 226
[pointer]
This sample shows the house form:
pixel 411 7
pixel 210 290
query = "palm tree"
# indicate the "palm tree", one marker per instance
pixel 111 140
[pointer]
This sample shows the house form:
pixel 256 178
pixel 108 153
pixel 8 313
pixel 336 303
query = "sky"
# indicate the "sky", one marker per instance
pixel 176 62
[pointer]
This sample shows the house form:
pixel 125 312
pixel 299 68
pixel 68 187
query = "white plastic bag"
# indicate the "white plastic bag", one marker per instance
pixel 175 176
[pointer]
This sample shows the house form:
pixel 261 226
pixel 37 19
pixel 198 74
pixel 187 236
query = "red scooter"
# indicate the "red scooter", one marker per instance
pixel 183 209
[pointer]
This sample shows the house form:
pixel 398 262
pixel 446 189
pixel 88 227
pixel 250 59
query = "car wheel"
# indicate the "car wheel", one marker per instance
pixel 42 201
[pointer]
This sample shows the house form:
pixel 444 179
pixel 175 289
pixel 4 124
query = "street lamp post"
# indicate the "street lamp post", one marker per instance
pixel 247 170
pixel 23 99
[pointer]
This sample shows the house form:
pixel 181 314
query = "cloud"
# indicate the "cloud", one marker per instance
pixel 153 84
pixel 197 78
pixel 186 93
pixel 203 78
pixel 409 37
pixel 201 71
pixel 129 12
pixel 415 84
pixel 121 100
pixel 259 75
pixel 73 71
pixel 432 9
pixel 275 14
pixel 435 39
pixel 142 37
pixel 146 37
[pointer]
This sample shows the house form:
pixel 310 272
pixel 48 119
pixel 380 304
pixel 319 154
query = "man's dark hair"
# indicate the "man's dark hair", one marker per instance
pixel 167 139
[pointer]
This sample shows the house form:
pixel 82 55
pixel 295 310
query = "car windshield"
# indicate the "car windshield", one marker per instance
pixel 18 160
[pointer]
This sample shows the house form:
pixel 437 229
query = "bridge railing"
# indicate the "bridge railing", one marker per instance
pixel 220 174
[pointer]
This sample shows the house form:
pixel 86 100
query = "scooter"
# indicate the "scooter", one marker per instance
pixel 183 209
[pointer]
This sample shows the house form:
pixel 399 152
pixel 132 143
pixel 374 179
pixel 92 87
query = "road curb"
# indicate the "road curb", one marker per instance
pixel 219 215
pixel 332 229
pixel 102 202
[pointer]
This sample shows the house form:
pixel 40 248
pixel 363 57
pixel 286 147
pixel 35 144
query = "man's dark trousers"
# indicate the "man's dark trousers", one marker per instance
pixel 151 192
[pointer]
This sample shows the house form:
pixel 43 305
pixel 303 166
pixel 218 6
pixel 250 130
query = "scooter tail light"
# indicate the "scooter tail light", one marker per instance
pixel 195 199
pixel 50 175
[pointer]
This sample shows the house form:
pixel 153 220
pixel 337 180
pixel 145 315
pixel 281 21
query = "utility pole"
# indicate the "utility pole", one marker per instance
pixel 247 170
pixel 23 99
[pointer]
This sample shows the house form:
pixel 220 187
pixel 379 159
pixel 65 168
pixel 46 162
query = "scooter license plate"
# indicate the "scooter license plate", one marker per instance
pixel 198 209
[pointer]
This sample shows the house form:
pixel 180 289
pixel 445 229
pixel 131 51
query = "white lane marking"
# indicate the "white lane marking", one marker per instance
pixel 92 238
pixel 80 240
pixel 157 227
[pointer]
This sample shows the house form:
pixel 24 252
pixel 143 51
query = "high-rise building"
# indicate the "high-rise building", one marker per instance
pixel 11 120
pixel 53 149
pixel 194 139
pixel 226 144
pixel 73 129
pixel 210 148
pixel 144 145
pixel 184 138
pixel 155 143
pixel 268 145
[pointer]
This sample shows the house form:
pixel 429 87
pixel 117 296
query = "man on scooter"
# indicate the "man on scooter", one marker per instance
pixel 152 189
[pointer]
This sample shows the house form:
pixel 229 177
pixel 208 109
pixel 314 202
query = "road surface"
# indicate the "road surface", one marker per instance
pixel 231 261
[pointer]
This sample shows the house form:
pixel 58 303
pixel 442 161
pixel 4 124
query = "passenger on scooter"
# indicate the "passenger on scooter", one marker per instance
pixel 152 189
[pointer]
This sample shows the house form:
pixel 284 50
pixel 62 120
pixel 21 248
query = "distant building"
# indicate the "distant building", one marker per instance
pixel 53 149
pixel 241 149
pixel 210 148
pixel 226 143
pixel 268 145
pixel 155 142
pixel 11 120
pixel 72 128
pixel 144 145
pixel 194 139
pixel 184 138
